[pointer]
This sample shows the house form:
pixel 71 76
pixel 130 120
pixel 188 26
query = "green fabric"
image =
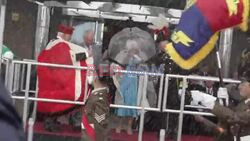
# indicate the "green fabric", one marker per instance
pixel 5 49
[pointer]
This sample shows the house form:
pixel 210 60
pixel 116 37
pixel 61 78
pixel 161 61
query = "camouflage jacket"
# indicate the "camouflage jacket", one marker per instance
pixel 97 112
pixel 236 120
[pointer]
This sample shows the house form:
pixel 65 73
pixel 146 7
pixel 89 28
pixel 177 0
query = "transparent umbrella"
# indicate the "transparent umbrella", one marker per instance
pixel 131 42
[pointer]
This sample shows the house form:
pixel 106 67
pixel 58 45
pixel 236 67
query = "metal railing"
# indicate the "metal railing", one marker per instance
pixel 181 112
pixel 161 105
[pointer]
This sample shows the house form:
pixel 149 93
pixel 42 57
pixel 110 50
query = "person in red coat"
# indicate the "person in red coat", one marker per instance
pixel 61 83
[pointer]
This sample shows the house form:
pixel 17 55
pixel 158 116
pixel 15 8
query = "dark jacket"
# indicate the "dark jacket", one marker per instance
pixel 10 123
pixel 236 121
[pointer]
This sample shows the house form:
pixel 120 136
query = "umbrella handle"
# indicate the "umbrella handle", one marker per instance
pixel 114 61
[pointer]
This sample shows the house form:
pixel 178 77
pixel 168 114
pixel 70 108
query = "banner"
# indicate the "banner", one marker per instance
pixel 197 33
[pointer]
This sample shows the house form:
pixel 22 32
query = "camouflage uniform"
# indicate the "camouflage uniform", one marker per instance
pixel 236 120
pixel 97 113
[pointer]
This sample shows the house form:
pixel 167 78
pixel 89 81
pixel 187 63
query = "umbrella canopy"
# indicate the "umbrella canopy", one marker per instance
pixel 131 42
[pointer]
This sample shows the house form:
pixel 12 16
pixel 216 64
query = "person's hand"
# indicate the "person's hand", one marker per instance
pixel 203 99
pixel 90 71
pixel 90 52
pixel 159 23
pixel 162 45
pixel 222 94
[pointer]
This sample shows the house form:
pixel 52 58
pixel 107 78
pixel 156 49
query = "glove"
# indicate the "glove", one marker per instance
pixel 160 24
pixel 203 99
pixel 222 94
pixel 162 45
pixel 90 52
pixel 90 73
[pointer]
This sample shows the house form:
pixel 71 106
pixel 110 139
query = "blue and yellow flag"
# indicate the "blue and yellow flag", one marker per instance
pixel 197 32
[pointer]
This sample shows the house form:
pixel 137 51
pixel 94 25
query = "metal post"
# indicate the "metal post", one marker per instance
pixel 165 99
pixel 181 109
pixel 160 92
pixel 96 31
pixel 143 108
pixel 30 129
pixel 10 77
pixel 22 76
pixel 26 100
pixel 2 22
pixel 6 73
pixel 102 31
pixel 16 84
pixel 35 103
pixel 226 40
pixel 165 93
pixel 162 135
pixel 42 29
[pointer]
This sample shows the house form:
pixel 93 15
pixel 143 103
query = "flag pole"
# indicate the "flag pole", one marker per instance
pixel 219 63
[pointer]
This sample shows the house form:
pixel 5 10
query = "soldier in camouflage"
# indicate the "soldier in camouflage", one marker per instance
pixel 97 111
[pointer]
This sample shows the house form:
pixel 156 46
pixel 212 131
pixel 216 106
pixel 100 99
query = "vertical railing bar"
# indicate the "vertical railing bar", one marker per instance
pixel 19 77
pixel 179 133
pixel 30 129
pixel 35 102
pixel 160 92
pixel 22 76
pixel 16 77
pixel 165 92
pixel 10 78
pixel 143 108
pixel 6 73
pixel 27 86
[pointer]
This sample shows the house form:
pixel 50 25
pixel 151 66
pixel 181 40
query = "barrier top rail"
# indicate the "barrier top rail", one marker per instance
pixel 204 78
pixel 116 70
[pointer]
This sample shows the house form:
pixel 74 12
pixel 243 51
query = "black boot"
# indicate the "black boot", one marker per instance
pixel 75 120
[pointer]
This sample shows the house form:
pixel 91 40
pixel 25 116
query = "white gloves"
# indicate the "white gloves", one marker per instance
pixel 90 72
pixel 222 94
pixel 159 23
pixel 203 99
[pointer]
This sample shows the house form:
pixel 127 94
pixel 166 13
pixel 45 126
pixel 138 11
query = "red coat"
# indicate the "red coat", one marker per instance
pixel 60 83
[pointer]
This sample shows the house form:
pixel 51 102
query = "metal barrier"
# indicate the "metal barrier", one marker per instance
pixel 10 78
pixel 181 112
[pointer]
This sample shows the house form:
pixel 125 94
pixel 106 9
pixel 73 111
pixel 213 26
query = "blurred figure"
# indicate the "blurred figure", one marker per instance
pixel 11 128
pixel 94 50
pixel 7 54
pixel 211 88
pixel 236 120
pixel 64 32
pixel 97 111
pixel 61 83
pixel 88 38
